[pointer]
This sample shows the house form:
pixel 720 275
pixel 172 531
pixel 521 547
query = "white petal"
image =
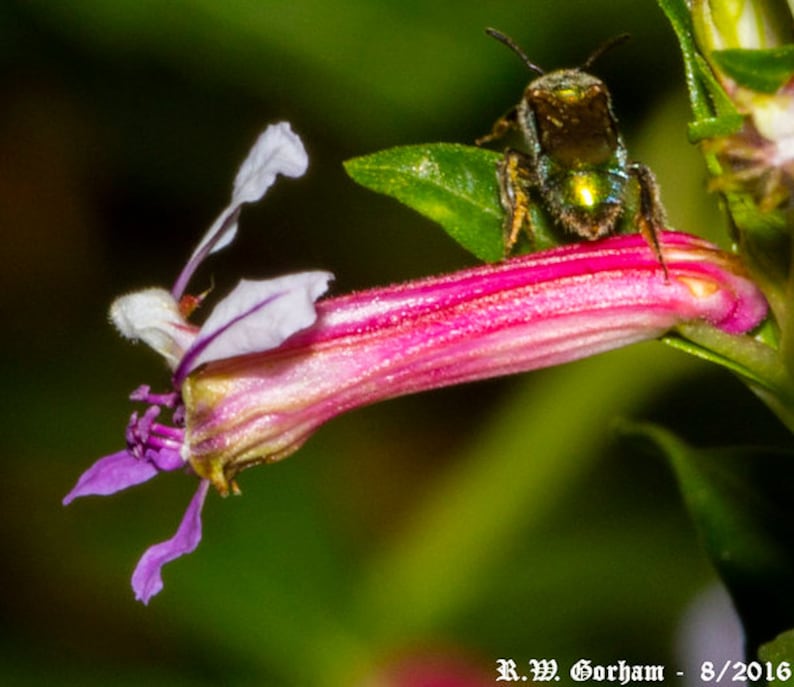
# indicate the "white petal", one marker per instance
pixel 152 316
pixel 277 151
pixel 225 238
pixel 257 316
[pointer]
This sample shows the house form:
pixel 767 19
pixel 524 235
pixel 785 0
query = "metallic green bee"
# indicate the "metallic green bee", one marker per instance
pixel 576 160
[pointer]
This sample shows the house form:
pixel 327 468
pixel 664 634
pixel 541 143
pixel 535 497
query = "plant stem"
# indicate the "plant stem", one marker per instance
pixel 759 365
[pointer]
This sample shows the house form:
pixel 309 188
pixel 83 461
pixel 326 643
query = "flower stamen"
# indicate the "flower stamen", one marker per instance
pixel 143 393
pixel 154 442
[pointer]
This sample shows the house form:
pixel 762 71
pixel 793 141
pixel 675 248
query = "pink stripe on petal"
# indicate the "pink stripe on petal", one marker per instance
pixel 147 579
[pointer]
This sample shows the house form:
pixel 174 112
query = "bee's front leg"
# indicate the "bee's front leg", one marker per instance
pixel 651 217
pixel 509 120
pixel 516 180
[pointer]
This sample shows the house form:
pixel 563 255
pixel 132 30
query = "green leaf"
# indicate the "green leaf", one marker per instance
pixel 763 70
pixel 779 650
pixel 728 119
pixel 715 113
pixel 454 185
pixel 699 350
pixel 713 127
pixel 740 501
pixel 750 357
pixel 677 13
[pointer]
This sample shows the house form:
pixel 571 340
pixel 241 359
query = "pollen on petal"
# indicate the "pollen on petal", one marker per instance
pixel 700 288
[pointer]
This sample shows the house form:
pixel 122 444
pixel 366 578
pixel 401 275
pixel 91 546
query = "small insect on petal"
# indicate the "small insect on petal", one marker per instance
pixel 256 316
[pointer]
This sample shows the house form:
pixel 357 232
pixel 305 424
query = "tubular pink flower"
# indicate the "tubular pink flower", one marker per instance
pixel 269 364
pixel 530 312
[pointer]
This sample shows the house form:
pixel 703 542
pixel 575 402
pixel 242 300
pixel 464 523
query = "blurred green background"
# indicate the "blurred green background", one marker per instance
pixel 434 533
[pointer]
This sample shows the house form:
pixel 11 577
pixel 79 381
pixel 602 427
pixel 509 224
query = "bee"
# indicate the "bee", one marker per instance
pixel 576 161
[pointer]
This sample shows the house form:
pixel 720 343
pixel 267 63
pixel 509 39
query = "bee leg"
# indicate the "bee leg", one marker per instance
pixel 650 216
pixel 509 120
pixel 515 182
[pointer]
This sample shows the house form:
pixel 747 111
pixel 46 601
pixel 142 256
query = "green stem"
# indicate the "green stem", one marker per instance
pixel 760 366
pixel 786 320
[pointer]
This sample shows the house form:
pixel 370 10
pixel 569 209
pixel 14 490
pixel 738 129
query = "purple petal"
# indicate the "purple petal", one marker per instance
pixel 147 580
pixel 111 474
pixel 256 316
pixel 165 459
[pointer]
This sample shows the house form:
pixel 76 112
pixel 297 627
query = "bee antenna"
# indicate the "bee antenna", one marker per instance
pixel 606 46
pixel 498 35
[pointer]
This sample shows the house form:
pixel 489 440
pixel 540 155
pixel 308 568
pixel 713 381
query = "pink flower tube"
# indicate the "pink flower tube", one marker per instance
pixel 530 312
pixel 269 363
